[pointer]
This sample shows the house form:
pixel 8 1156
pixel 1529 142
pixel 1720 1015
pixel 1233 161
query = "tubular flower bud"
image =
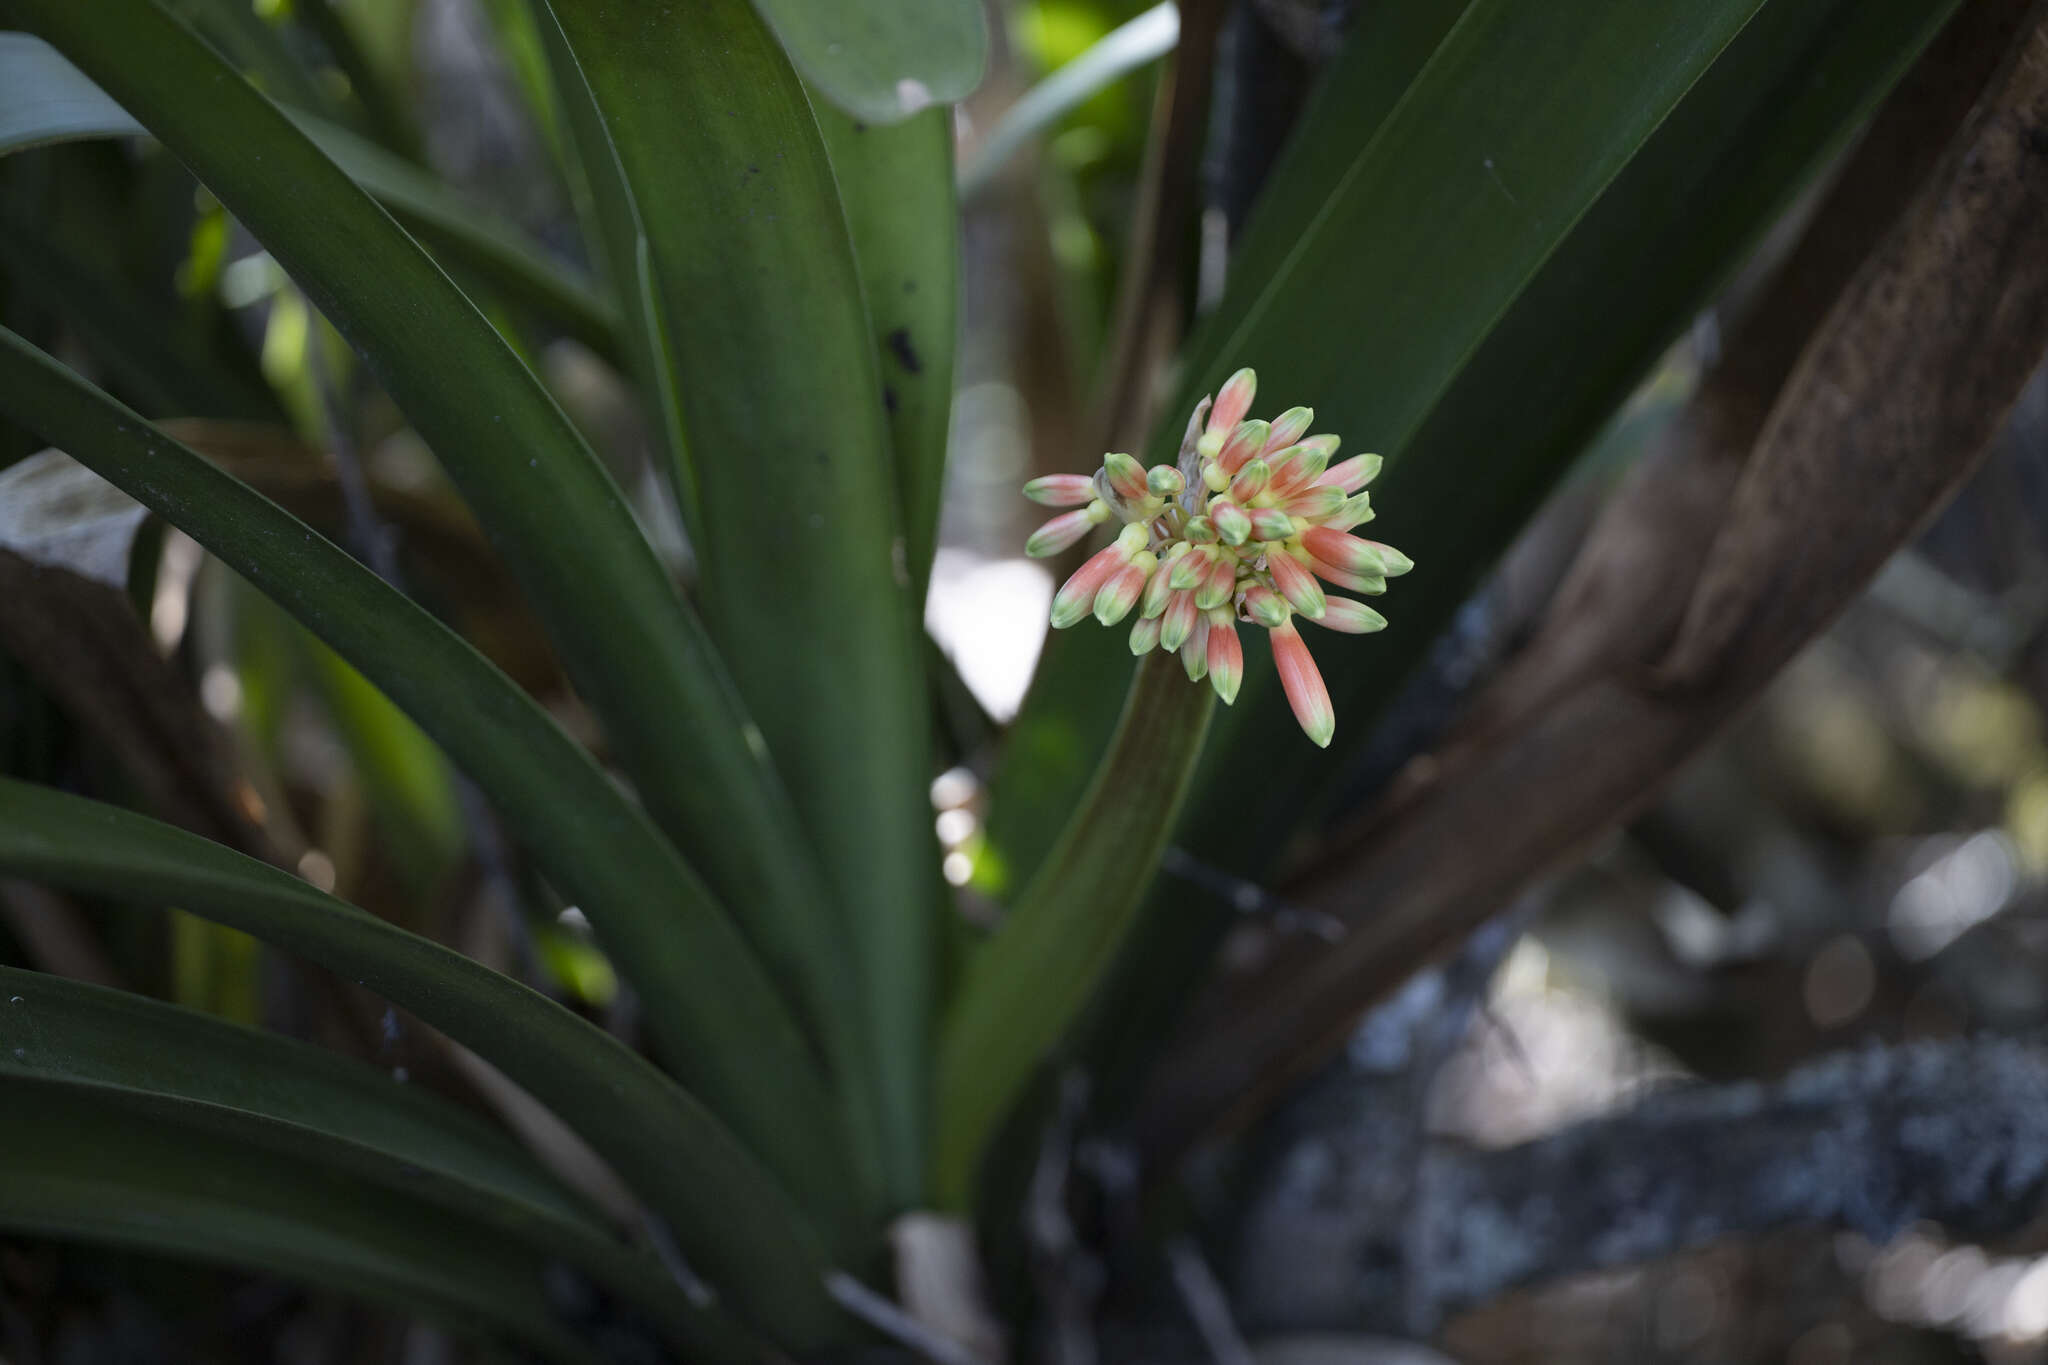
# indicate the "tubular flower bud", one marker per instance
pixel 1356 511
pixel 1245 442
pixel 1296 471
pixel 1288 427
pixel 1303 684
pixel 1314 502
pixel 1065 531
pixel 1076 597
pixel 1115 598
pixel 1126 476
pixel 1238 530
pixel 1354 474
pixel 1396 562
pixel 1179 620
pixel 1250 482
pixel 1296 584
pixel 1158 591
pixel 1190 569
pixel 1270 523
pixel 1348 553
pixel 1265 607
pixel 1194 655
pixel 1233 527
pixel 1062 532
pixel 1221 583
pixel 1224 655
pixel 1061 490
pixel 1351 618
pixel 1233 401
pixel 1355 582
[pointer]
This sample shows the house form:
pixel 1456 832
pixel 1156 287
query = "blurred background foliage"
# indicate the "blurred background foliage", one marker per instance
pixel 1863 859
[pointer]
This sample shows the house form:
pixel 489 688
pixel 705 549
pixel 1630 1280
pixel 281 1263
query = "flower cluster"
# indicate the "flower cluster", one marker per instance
pixel 1239 531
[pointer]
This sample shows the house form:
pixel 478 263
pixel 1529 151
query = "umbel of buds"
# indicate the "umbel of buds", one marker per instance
pixel 1237 532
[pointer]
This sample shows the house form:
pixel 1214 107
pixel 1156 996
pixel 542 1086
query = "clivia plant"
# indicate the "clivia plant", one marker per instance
pixel 1487 221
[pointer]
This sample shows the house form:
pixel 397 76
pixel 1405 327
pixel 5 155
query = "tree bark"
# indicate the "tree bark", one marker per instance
pixel 1869 1142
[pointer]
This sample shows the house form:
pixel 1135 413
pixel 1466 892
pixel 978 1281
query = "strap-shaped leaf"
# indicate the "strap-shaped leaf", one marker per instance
pixel 312 1105
pixel 732 1221
pixel 728 1034
pixel 145 340
pixel 257 47
pixel 468 237
pixel 883 60
pixel 45 99
pixel 753 299
pixel 104 1167
pixel 897 188
pixel 631 646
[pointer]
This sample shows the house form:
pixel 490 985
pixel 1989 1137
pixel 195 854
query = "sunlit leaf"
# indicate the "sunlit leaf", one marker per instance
pixel 883 60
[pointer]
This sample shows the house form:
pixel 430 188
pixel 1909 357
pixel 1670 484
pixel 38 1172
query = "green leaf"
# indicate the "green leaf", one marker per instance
pixel 731 1220
pixel 167 364
pixel 883 60
pixel 1124 49
pixel 384 111
pixel 410 784
pixel 470 237
pixel 728 1034
pixel 897 188
pixel 257 47
pixel 525 57
pixel 308 1104
pixel 630 645
pixel 104 1167
pixel 89 237
pixel 214 969
pixel 1024 990
pixel 45 99
pixel 754 301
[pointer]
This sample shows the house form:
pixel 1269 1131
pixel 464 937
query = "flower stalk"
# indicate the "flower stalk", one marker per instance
pixel 1024 990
